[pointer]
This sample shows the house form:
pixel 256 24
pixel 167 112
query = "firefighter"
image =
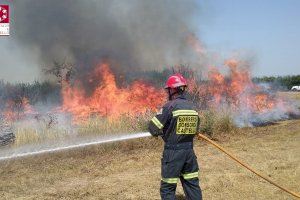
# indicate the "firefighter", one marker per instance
pixel 177 123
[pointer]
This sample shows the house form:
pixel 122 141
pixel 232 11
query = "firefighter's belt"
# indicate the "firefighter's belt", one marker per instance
pixel 184 145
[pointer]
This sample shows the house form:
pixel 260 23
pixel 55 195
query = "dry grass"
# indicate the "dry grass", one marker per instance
pixel 31 135
pixel 123 124
pixel 131 170
pixel 32 131
pixel 291 95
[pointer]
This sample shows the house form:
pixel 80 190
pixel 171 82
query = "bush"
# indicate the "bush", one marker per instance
pixel 207 120
pixel 213 123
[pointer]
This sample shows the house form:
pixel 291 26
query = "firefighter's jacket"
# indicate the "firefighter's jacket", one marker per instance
pixel 177 122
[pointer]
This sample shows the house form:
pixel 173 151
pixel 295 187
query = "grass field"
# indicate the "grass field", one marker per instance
pixel 131 169
pixel 292 95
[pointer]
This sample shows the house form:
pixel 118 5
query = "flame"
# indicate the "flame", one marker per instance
pixel 17 110
pixel 109 100
pixel 236 90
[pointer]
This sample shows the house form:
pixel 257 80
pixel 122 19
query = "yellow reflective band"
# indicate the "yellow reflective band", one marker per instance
pixel 157 123
pixel 184 112
pixel 190 175
pixel 170 180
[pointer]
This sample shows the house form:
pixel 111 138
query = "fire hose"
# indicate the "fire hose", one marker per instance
pixel 245 165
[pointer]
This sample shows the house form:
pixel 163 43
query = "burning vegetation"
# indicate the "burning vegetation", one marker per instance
pixel 232 92
pixel 108 99
pixel 225 100
pixel 249 104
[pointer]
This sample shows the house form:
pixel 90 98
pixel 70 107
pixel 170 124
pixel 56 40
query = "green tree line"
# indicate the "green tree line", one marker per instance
pixel 286 82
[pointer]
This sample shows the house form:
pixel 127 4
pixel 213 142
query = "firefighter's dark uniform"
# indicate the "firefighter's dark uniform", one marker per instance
pixel 177 123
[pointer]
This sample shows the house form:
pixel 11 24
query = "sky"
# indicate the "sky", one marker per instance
pixel 268 31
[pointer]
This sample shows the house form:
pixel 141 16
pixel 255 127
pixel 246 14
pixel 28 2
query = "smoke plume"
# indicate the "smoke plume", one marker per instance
pixel 136 34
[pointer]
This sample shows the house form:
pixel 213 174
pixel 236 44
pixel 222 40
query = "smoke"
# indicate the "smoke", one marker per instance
pixel 17 63
pixel 135 34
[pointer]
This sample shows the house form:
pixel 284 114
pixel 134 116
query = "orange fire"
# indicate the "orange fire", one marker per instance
pixel 17 110
pixel 236 90
pixel 109 100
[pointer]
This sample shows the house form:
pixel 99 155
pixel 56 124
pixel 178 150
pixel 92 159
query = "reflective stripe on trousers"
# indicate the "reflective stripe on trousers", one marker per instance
pixel 186 176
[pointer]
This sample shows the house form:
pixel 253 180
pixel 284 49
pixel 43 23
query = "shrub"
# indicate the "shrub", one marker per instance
pixel 213 123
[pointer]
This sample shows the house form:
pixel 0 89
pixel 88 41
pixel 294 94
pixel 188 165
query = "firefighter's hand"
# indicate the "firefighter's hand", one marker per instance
pixel 153 133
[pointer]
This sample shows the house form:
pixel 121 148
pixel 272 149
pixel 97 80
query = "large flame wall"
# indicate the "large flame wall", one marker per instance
pixel 109 100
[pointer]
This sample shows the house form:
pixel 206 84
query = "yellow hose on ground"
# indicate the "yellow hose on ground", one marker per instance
pixel 246 166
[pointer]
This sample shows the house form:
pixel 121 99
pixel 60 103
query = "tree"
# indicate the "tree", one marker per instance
pixel 64 72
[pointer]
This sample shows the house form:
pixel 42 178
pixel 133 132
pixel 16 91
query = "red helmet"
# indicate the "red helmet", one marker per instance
pixel 175 81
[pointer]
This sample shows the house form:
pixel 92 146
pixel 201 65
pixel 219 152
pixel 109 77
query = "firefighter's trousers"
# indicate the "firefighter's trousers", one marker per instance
pixel 180 162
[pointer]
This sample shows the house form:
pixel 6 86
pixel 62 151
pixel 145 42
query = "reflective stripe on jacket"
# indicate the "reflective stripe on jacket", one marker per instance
pixel 177 122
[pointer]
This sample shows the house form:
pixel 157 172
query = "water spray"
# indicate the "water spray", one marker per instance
pixel 74 146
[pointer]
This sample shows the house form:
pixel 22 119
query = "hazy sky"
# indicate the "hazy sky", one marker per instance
pixel 267 31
